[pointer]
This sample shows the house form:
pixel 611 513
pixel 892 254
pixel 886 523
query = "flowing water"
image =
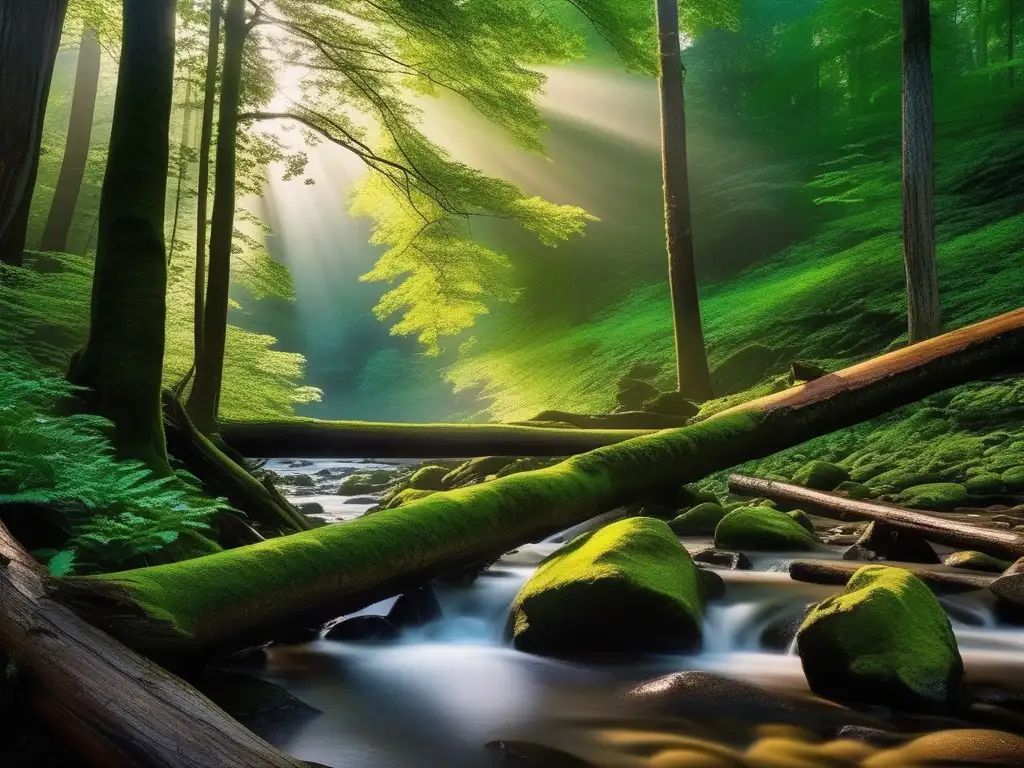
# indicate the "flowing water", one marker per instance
pixel 435 696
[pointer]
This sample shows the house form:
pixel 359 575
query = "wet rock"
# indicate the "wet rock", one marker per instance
pixel 414 609
pixel 820 475
pixel 633 393
pixel 630 586
pixel 962 747
pixel 266 709
pixel 884 639
pixel 363 629
pixel 734 561
pixel 1010 585
pixel 671 404
pixel 476 471
pixel 882 542
pixel 779 634
pixel 297 636
pixel 801 517
pixel 311 508
pixel 712 585
pixel 976 561
pixel 699 521
pixel 938 496
pixel 532 755
pixel 875 736
pixel 326 473
pixel 762 528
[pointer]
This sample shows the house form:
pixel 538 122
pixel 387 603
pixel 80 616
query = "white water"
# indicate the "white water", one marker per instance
pixel 436 695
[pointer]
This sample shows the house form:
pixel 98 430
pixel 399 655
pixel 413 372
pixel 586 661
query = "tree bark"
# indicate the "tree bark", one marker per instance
pixel 242 595
pixel 122 362
pixel 76 151
pixel 204 399
pixel 693 377
pixel 29 37
pixel 992 541
pixel 116 708
pixel 309 438
pixel 918 174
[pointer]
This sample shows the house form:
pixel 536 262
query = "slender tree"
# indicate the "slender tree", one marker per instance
pixel 182 170
pixel 204 398
pixel 693 378
pixel 122 362
pixel 29 37
pixel 76 151
pixel 918 173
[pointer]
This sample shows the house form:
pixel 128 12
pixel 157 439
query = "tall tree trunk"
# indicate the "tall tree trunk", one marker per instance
pixel 204 399
pixel 29 37
pixel 693 377
pixel 918 173
pixel 182 170
pixel 1011 23
pixel 76 151
pixel 123 359
pixel 205 143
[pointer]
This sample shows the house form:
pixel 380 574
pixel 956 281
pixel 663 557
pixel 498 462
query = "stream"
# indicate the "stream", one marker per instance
pixel 435 696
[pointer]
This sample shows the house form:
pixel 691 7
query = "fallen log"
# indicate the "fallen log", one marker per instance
pixel 940 580
pixel 992 541
pixel 114 707
pixel 317 439
pixel 231 597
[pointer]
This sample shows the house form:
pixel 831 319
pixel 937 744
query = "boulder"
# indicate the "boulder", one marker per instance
pixel 734 561
pixel 367 482
pixel 762 528
pixel 363 629
pixel 299 481
pixel 984 484
pixel 854 490
pixel 933 496
pixel 801 517
pixel 820 475
pixel 976 561
pixel 476 470
pixel 1013 479
pixel 672 404
pixel 630 586
pixel 414 609
pixel 1010 586
pixel 966 747
pixel 699 521
pixel 885 639
pixel 882 542
pixel 406 496
pixel 429 478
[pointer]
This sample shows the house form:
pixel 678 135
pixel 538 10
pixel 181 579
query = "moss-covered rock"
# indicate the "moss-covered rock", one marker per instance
pixel 885 639
pixel 406 496
pixel 368 482
pixel 854 490
pixel 633 393
pixel 901 478
pixel 976 561
pixel 968 748
pixel 476 470
pixel 820 475
pixel 984 484
pixel 699 521
pixel 762 528
pixel 672 404
pixel 934 496
pixel 1013 478
pixel 801 517
pixel 526 464
pixel 630 586
pixel 429 478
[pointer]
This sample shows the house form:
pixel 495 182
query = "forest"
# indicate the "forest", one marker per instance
pixel 555 383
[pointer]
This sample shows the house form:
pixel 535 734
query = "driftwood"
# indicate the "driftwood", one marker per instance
pixel 115 708
pixel 315 439
pixel 992 541
pixel 939 579
pixel 231 597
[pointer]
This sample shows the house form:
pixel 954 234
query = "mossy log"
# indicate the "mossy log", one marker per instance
pixel 316 439
pixel 115 708
pixel 992 541
pixel 941 579
pixel 233 597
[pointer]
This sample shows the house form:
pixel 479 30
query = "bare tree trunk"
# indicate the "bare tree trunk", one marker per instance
pixel 693 377
pixel 204 400
pixel 29 37
pixel 122 362
pixel 918 173
pixel 76 151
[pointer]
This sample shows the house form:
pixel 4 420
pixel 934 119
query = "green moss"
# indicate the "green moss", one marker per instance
pixel 429 478
pixel 820 475
pixel 368 482
pixel 699 521
pixel 1013 478
pixel 976 561
pixel 762 528
pixel 407 496
pixel 801 517
pixel 983 483
pixel 855 490
pixel 630 586
pixel 885 639
pixel 934 496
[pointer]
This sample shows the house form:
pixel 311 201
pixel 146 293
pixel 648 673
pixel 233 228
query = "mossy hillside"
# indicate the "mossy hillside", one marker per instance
pixel 762 528
pixel 629 586
pixel 885 639
pixel 204 600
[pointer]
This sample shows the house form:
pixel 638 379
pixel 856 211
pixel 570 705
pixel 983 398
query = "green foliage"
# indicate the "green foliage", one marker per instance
pixel 127 516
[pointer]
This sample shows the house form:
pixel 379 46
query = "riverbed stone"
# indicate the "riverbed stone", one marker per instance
pixel 363 629
pixel 367 482
pixel 820 475
pixel 938 496
pixel 976 561
pixel 762 528
pixel 1010 586
pixel 414 609
pixel 803 518
pixel 699 521
pixel 734 561
pixel 883 542
pixel 960 747
pixel 629 586
pixel 885 639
